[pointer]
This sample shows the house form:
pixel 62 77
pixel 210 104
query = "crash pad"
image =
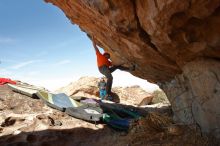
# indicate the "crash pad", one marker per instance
pixel 24 89
pixel 88 109
pixel 86 112
pixel 58 101
pixel 73 108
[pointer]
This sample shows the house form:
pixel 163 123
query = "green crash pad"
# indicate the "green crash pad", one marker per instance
pixel 73 108
pixel 58 101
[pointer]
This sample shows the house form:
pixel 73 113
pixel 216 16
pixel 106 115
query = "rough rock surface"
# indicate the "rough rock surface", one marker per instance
pixel 194 95
pixel 134 95
pixel 85 86
pixel 163 38
pixel 88 87
pixel 26 121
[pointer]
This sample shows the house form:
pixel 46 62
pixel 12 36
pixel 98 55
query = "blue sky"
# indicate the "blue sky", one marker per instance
pixel 39 45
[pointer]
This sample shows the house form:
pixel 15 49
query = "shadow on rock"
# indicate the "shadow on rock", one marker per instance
pixel 65 137
pixel 115 98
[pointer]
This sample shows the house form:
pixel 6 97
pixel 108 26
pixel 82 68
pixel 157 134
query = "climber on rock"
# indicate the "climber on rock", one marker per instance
pixel 106 68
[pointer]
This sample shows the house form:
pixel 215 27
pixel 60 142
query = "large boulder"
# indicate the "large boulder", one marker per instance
pixel 133 95
pixel 165 39
pixel 194 95
pixel 85 86
pixel 88 87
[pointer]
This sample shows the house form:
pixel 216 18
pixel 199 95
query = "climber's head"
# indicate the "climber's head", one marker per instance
pixel 107 55
pixel 102 79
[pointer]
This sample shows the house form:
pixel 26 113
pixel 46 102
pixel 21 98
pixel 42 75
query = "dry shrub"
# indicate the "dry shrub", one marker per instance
pixel 158 122
pixel 158 129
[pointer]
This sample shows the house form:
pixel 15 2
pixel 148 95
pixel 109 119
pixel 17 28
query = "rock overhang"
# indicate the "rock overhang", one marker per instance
pixel 169 41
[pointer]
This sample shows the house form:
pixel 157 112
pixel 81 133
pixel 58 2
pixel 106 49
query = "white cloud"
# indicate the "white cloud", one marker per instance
pixel 62 62
pixel 26 63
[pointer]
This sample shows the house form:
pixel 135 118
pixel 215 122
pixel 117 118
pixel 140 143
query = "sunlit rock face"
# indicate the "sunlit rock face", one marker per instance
pixel 175 44
pixel 87 87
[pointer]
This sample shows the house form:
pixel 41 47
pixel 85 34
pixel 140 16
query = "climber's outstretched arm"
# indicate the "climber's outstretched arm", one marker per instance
pixel 94 44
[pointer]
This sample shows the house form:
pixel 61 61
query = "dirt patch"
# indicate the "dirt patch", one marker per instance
pixel 30 122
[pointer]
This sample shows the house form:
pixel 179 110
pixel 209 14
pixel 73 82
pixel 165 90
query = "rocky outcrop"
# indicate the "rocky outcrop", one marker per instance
pixel 85 86
pixel 133 95
pixel 88 87
pixel 194 95
pixel 165 39
pixel 159 36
